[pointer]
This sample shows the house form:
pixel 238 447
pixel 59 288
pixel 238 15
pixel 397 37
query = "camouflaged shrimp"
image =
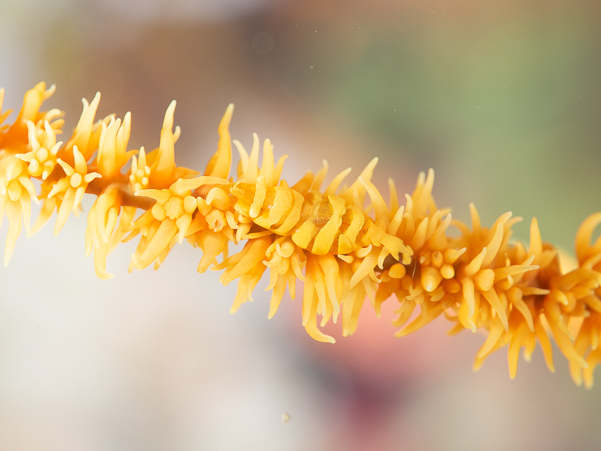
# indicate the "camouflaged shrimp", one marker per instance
pixel 320 223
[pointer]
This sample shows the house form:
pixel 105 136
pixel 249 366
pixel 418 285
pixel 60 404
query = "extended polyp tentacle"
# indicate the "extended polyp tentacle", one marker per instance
pixel 220 162
pixel 252 256
pixel 112 151
pixel 213 244
pixel 107 201
pixel 356 192
pixel 85 127
pixel 163 164
pixel 584 249
pixel 333 186
pixel 160 241
pixel 31 107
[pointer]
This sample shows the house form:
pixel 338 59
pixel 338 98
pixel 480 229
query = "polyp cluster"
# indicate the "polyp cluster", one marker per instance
pixel 342 250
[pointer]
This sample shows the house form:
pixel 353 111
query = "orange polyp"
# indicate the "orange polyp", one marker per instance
pixel 478 279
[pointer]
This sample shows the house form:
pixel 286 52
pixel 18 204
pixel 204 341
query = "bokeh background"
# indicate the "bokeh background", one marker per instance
pixel 502 98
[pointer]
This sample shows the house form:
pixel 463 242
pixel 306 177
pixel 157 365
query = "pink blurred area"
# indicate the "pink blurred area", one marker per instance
pixel 153 360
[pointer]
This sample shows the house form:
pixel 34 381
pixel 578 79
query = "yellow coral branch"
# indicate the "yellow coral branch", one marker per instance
pixel 342 250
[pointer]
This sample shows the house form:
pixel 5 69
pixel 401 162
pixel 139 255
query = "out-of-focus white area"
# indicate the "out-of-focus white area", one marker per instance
pixel 153 360
pixel 143 361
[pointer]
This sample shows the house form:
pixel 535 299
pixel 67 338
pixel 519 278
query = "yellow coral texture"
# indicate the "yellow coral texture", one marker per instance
pixel 344 242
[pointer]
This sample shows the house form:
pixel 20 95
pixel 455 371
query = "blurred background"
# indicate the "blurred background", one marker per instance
pixel 502 98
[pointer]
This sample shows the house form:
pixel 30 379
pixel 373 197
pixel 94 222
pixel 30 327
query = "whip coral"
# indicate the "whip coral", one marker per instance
pixel 342 250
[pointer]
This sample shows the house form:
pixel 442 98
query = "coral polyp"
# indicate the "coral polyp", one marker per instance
pixel 344 243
